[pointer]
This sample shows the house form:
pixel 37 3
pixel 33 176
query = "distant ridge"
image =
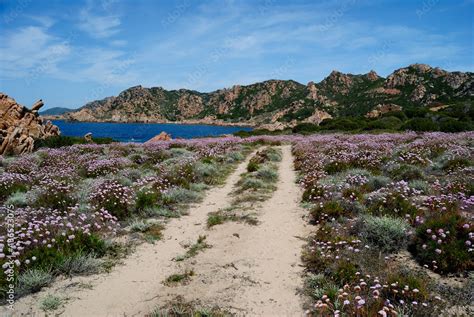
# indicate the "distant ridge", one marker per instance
pixel 280 103
pixel 56 111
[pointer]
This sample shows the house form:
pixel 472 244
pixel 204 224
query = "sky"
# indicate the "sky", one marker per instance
pixel 71 52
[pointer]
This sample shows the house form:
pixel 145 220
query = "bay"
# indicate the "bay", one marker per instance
pixel 141 132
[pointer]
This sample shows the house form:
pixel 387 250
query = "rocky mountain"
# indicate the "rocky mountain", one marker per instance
pixel 280 103
pixel 20 127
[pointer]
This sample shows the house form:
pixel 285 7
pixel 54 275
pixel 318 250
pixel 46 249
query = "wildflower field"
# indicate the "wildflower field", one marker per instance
pixel 67 205
pixel 393 216
pixel 390 215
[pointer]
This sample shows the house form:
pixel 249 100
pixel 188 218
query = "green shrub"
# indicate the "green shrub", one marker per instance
pixel 392 205
pixel 179 195
pixel 420 124
pixel 215 218
pixel 452 254
pixel 61 140
pixel 329 209
pixel 235 156
pixel 267 173
pixel 52 257
pixel 17 199
pixel 377 181
pixel 317 285
pixel 272 154
pixel 305 128
pixel 384 123
pixel 252 166
pixel 50 302
pixel 456 163
pixel 145 198
pixel 406 172
pixel 251 183
pixel 79 264
pixel 33 280
pixel 453 125
pixel 420 185
pixel 139 225
pixel 344 272
pixel 387 234
pixel 336 167
pixel 207 172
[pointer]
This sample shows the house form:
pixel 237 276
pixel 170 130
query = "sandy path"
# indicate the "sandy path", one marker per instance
pixel 127 290
pixel 254 270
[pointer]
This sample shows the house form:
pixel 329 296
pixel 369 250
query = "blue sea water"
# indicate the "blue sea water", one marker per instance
pixel 141 132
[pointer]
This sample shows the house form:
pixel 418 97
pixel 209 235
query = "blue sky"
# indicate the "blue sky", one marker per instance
pixel 72 52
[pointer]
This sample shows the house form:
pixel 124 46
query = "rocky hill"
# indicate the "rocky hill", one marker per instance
pixel 55 111
pixel 278 103
pixel 20 127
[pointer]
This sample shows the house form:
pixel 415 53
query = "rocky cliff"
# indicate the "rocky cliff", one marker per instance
pixel 20 127
pixel 280 103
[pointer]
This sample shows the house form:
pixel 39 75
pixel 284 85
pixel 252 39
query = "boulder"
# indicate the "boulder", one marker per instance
pixel 88 137
pixel 20 127
pixel 163 136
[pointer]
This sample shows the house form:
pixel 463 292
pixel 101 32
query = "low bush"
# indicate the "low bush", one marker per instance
pixel 252 183
pixel 50 302
pixel 33 280
pixel 267 173
pixel 406 172
pixel 327 210
pixel 421 124
pixel 444 243
pixel 179 195
pixel 252 166
pixel 17 199
pixel 113 197
pixel 79 264
pixel 387 234
pixel 456 163
pixel 146 198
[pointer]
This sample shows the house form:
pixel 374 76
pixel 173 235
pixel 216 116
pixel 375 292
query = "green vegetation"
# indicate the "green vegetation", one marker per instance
pixel 61 140
pixel 50 303
pixel 180 278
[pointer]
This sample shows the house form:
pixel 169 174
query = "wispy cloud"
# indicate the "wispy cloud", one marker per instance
pixel 30 50
pixel 99 25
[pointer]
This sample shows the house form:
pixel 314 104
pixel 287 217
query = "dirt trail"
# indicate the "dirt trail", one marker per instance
pixel 126 289
pixel 255 270
pixel 251 270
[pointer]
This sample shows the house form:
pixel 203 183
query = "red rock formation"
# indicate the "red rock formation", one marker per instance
pixel 163 136
pixel 20 127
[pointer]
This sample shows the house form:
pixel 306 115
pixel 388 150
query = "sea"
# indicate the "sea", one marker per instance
pixel 141 132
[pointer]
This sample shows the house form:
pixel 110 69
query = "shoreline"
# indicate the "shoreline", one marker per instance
pixel 186 122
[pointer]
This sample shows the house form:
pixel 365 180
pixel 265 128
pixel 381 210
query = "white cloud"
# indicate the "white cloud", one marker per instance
pixel 99 26
pixel 31 52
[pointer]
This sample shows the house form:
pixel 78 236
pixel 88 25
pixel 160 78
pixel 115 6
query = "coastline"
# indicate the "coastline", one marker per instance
pixel 182 122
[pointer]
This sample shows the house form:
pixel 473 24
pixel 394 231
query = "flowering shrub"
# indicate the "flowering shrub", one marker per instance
pixel 44 235
pixel 112 196
pixel 53 194
pixel 96 168
pixel 12 182
pixel 445 243
pixel 416 193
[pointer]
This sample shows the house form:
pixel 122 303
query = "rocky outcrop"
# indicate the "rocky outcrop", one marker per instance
pixel 20 127
pixel 284 101
pixel 317 117
pixel 163 136
pixel 381 109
